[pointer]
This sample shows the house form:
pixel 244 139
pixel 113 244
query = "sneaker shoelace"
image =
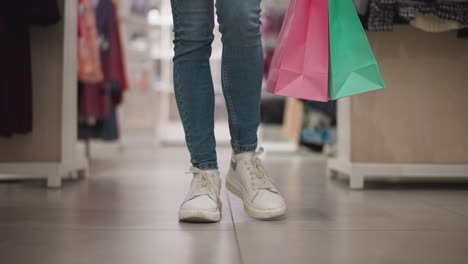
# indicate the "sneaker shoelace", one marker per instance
pixel 258 175
pixel 206 185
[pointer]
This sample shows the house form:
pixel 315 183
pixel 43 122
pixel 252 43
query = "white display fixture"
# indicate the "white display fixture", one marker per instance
pixel 50 151
pixel 359 171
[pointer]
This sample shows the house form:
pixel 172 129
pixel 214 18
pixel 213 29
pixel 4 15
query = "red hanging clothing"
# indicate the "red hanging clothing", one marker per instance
pixel 98 101
pixel 88 57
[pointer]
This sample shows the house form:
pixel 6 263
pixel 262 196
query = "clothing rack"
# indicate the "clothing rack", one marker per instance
pixel 50 150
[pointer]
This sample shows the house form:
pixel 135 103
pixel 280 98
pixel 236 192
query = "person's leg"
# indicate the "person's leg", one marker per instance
pixel 242 69
pixel 193 85
pixel 242 72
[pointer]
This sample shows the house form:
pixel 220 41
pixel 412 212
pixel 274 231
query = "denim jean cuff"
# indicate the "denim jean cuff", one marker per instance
pixel 207 166
pixel 244 148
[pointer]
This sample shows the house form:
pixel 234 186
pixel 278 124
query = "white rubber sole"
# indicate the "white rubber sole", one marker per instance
pixel 199 216
pixel 236 188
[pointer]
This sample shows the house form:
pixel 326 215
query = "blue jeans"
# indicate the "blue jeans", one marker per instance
pixel 241 73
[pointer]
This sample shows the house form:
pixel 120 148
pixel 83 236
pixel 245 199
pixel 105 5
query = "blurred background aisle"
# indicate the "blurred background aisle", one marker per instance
pixel 93 160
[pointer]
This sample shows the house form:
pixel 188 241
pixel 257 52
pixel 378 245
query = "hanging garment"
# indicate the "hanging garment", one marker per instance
pixel 94 97
pixel 88 57
pixel 104 129
pixel 42 12
pixel 15 60
pixel 98 102
pixel 381 15
pixel 116 60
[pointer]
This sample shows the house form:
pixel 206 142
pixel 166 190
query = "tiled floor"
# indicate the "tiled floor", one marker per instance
pixel 126 212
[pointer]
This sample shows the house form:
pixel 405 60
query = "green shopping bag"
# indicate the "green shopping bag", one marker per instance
pixel 353 68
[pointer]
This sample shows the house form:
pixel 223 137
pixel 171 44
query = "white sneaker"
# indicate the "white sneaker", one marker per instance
pixel 248 180
pixel 202 203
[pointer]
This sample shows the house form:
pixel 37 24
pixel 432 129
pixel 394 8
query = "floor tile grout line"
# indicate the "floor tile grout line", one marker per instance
pixel 235 230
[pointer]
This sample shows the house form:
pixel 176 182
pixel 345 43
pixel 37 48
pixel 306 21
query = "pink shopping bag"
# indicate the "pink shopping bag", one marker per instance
pixel 300 64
